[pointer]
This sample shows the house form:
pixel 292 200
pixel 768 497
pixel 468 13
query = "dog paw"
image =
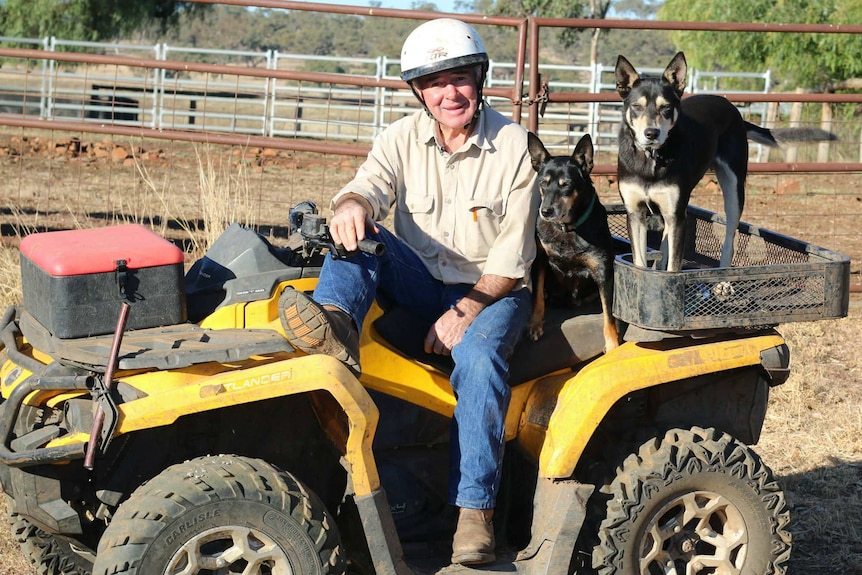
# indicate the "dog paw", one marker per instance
pixel 612 339
pixel 535 331
pixel 723 291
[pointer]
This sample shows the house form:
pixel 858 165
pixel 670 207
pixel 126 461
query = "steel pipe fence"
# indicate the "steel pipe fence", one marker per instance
pixel 271 101
pixel 165 99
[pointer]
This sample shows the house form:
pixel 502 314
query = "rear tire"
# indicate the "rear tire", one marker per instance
pixel 47 554
pixel 221 514
pixel 696 501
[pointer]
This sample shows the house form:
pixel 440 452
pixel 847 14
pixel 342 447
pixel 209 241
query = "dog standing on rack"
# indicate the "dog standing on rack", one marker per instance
pixel 666 145
pixel 573 235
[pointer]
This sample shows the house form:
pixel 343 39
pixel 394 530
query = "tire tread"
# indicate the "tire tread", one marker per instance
pixel 204 480
pixel 690 452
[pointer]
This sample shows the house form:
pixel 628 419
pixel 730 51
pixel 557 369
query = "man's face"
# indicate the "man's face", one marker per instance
pixel 452 96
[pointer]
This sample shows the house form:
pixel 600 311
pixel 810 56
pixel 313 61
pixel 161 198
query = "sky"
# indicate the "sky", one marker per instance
pixel 442 5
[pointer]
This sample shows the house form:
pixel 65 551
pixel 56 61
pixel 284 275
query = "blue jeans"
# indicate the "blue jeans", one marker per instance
pixel 481 373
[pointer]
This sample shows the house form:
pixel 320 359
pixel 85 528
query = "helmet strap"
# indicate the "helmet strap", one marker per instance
pixel 475 116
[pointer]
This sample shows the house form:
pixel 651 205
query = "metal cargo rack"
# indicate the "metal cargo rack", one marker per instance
pixel 773 279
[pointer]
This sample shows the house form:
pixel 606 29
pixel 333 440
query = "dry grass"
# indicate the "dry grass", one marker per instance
pixel 223 192
pixel 10 282
pixel 812 438
pixel 813 441
pixel 12 561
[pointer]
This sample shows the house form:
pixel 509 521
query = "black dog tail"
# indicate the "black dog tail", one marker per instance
pixel 778 136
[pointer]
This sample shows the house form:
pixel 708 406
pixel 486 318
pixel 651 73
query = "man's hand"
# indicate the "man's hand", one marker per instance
pixel 449 328
pixel 352 216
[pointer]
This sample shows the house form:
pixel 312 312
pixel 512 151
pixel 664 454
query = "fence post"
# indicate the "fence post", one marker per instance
pixel 795 120
pixel 593 113
pixel 43 89
pixel 155 71
pixel 768 123
pixel 48 110
pixel 159 92
pixel 274 96
pixel 379 97
pixel 265 129
pixel 826 124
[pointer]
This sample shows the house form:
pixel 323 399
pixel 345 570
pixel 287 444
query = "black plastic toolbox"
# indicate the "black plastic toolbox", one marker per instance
pixel 75 280
pixel 773 279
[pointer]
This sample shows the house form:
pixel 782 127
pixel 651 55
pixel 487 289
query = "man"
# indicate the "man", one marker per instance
pixel 460 182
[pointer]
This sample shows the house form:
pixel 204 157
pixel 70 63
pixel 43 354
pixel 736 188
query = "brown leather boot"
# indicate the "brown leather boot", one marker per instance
pixel 313 328
pixel 473 543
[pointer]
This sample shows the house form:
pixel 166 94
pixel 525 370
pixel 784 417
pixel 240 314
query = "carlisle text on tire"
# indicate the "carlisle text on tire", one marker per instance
pixel 223 514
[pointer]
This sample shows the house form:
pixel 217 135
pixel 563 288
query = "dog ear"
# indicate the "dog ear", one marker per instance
pixel 626 76
pixel 539 156
pixel 583 154
pixel 676 72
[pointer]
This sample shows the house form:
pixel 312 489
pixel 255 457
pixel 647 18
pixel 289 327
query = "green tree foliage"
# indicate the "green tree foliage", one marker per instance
pixel 587 45
pixel 798 60
pixel 295 31
pixel 544 8
pixel 88 20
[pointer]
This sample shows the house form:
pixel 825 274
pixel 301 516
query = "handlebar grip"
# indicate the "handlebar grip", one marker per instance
pixel 367 246
pixel 372 247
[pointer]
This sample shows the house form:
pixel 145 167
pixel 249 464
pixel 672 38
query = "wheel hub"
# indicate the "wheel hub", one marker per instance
pixel 229 549
pixel 694 534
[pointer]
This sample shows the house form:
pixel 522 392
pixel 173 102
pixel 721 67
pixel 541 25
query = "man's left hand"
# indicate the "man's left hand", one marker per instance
pixel 448 330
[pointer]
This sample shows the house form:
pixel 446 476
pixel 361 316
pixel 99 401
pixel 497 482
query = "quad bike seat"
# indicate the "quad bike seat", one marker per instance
pixel 571 336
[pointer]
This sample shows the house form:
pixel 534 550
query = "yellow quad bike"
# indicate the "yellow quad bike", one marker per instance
pixel 210 446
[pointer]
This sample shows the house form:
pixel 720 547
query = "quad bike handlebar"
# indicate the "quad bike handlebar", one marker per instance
pixel 315 235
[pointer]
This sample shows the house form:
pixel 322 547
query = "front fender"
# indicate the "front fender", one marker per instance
pixel 586 398
pixel 171 395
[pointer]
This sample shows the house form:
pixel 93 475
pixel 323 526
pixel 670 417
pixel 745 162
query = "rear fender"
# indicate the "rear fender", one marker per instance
pixel 586 398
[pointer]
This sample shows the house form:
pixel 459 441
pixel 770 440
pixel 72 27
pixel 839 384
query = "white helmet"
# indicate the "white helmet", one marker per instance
pixel 442 44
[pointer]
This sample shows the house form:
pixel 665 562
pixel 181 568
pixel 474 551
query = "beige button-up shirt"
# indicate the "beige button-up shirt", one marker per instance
pixel 466 214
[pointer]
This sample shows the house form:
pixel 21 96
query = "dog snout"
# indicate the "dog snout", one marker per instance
pixel 652 134
pixel 547 212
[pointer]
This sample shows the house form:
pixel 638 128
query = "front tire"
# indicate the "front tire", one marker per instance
pixel 697 501
pixel 47 554
pixel 223 514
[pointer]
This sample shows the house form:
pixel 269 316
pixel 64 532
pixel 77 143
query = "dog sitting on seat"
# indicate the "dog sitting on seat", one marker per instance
pixel 574 240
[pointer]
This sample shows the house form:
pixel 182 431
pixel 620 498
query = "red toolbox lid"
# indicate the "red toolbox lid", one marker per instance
pixel 96 250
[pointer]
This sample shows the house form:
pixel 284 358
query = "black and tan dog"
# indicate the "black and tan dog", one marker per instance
pixel 666 145
pixel 573 236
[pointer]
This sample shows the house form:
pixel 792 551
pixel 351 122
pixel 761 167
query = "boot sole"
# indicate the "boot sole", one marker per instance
pixel 308 328
pixel 474 558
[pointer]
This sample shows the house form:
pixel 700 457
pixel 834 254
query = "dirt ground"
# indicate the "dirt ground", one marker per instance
pixel 812 438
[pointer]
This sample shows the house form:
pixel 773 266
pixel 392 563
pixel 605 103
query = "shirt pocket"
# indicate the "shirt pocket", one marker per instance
pixel 414 220
pixel 417 204
pixel 485 216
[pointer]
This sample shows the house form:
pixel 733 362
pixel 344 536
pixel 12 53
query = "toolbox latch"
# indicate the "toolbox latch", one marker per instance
pixel 122 277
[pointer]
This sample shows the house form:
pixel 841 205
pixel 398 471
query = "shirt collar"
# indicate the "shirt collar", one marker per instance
pixel 427 130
